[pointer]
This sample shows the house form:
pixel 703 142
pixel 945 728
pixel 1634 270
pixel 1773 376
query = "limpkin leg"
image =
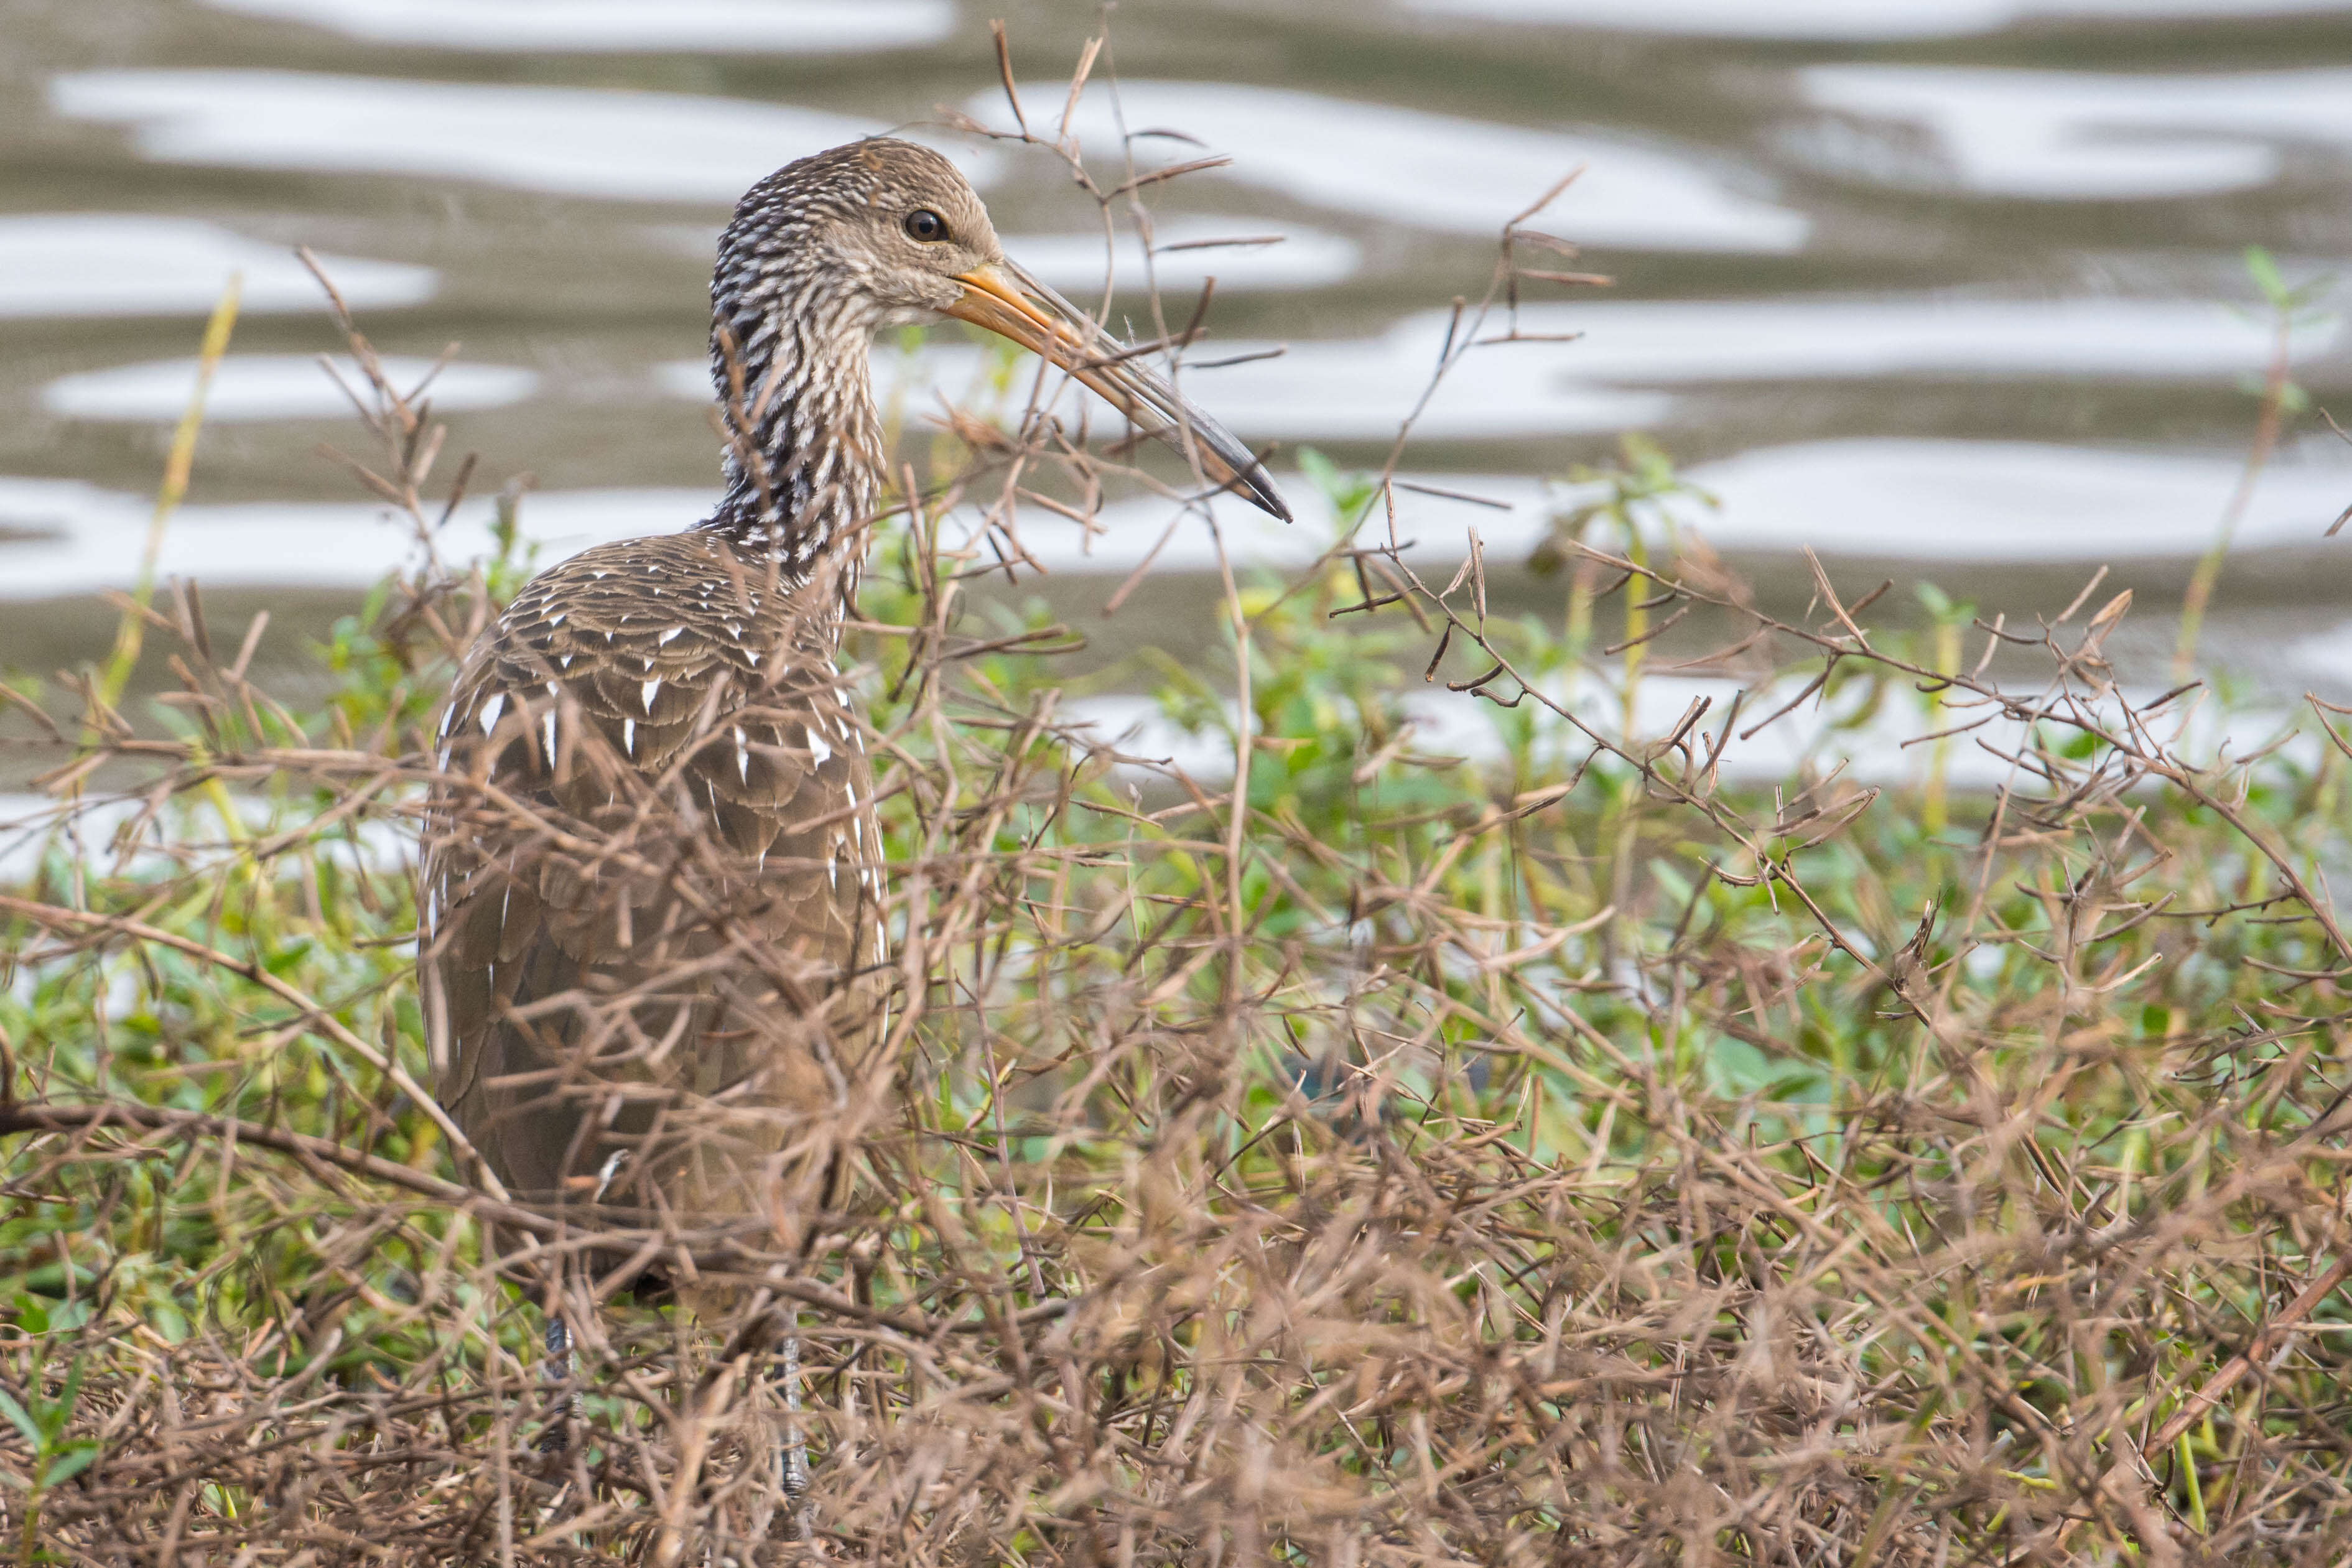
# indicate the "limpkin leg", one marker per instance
pixel 792 1459
pixel 556 1369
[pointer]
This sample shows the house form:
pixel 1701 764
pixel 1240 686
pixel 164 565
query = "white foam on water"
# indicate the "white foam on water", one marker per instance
pixel 273 386
pixel 1849 19
pixel 138 263
pixel 1431 170
pixel 2077 135
pixel 644 146
pixel 712 26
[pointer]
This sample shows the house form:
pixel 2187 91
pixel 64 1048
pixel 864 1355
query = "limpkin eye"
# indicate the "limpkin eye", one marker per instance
pixel 926 226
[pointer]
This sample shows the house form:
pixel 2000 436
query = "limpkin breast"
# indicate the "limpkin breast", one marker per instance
pixel 651 879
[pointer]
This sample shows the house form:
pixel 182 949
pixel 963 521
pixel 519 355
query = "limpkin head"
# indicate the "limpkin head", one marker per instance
pixel 884 233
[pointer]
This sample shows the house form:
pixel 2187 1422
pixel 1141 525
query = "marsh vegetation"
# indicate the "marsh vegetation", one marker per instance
pixel 1361 1154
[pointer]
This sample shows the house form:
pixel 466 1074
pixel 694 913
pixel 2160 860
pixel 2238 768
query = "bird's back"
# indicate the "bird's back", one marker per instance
pixel 649 887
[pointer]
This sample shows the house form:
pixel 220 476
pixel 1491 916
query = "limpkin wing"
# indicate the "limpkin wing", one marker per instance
pixel 643 911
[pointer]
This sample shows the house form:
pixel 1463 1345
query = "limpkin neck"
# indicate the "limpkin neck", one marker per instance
pixel 803 461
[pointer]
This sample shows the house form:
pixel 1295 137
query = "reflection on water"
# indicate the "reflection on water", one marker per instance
pixel 650 146
pixel 1314 392
pixel 1970 500
pixel 82 538
pixel 795 26
pixel 1856 20
pixel 2064 135
pixel 273 386
pixel 1871 750
pixel 132 264
pixel 1581 367
pixel 2324 661
pixel 1437 171
pixel 1329 392
pixel 1941 501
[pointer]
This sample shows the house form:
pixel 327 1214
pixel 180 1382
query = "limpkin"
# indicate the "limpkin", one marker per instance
pixel 650 900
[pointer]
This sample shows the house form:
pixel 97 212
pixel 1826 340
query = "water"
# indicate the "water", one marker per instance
pixel 1936 288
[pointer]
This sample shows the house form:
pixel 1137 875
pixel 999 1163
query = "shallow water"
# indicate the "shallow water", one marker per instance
pixel 1950 283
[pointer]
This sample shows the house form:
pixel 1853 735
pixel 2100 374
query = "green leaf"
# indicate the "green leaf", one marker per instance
pixel 1320 471
pixel 71 1464
pixel 2265 274
pixel 18 1419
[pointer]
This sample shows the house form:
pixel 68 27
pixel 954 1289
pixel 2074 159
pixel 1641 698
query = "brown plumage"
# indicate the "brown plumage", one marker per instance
pixel 651 897
pixel 687 964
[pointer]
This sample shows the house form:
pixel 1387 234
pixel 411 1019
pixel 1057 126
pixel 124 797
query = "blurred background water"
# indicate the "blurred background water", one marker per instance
pixel 1941 288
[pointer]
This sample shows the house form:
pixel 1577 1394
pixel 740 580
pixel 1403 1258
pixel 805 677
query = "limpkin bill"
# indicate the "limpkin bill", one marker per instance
pixel 650 898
